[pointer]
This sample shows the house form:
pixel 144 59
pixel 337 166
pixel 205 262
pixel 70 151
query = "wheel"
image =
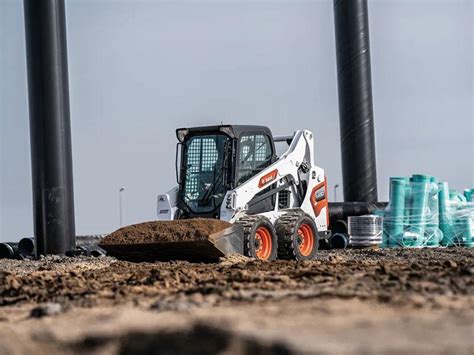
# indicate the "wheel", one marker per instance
pixel 260 239
pixel 297 236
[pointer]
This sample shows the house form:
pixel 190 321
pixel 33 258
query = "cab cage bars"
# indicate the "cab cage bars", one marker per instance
pixel 286 139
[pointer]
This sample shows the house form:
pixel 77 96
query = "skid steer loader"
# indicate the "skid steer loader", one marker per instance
pixel 278 206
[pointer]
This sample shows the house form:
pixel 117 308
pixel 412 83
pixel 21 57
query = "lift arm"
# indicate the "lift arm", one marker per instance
pixel 296 164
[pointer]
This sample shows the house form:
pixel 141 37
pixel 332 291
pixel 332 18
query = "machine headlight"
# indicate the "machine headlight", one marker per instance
pixel 230 201
pixel 227 130
pixel 181 133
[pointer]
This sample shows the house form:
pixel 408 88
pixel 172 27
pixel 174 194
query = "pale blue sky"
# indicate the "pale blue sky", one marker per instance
pixel 139 69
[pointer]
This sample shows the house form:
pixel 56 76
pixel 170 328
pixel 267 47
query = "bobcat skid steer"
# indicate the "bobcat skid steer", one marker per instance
pixel 277 206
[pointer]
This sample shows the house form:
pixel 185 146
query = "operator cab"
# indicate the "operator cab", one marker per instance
pixel 213 160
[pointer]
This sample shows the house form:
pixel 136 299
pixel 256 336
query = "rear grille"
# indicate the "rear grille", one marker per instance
pixel 284 199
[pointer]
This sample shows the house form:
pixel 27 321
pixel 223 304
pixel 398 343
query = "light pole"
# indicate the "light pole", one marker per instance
pixel 335 192
pixel 120 205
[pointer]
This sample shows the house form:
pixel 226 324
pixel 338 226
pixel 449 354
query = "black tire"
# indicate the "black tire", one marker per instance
pixel 292 245
pixel 251 225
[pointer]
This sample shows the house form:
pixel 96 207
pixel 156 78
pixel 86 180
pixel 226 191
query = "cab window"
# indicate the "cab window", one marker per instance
pixel 255 154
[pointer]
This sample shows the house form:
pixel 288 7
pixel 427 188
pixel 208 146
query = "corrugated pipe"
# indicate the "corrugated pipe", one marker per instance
pixel 27 246
pixel 9 250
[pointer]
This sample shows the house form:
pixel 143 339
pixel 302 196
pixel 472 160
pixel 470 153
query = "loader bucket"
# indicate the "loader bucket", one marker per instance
pixel 202 249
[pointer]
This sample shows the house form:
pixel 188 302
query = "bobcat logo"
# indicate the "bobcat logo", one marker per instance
pixel 271 176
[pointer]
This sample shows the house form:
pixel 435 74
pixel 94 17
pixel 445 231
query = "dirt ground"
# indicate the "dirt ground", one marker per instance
pixel 352 301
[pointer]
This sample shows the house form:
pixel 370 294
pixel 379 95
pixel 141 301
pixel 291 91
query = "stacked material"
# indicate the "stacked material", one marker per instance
pixel 411 218
pixel 456 217
pixel 9 250
pixel 423 213
pixel 365 231
pixel 469 195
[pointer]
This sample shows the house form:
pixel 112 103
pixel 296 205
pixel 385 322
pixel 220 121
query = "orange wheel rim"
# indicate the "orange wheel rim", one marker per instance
pixel 263 248
pixel 306 239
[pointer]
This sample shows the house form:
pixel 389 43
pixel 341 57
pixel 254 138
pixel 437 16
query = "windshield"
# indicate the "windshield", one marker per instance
pixel 204 172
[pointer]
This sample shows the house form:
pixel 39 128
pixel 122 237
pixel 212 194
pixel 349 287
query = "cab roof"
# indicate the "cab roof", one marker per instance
pixel 234 131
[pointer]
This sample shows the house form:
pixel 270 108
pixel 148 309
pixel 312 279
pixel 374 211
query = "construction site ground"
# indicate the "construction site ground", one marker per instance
pixel 357 301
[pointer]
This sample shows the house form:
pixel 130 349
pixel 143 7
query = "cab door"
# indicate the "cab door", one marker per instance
pixel 255 153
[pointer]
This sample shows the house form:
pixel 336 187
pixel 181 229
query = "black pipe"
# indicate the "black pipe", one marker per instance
pixel 50 128
pixel 342 210
pixel 339 211
pixel 339 241
pixel 90 250
pixel 356 117
pixel 9 250
pixel 27 246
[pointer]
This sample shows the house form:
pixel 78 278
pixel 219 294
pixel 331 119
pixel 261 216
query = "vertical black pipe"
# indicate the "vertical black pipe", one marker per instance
pixel 50 128
pixel 356 114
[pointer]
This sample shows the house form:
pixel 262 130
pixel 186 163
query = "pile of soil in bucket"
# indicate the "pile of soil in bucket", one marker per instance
pixel 196 229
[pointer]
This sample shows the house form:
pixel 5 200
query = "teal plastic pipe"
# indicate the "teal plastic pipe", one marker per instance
pixel 456 196
pixel 433 232
pixel 408 201
pixel 467 231
pixel 469 194
pixel 445 216
pixel 395 220
pixel 420 189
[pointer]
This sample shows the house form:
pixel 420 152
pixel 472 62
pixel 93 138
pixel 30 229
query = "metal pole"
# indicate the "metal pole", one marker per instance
pixel 120 205
pixel 355 100
pixel 50 128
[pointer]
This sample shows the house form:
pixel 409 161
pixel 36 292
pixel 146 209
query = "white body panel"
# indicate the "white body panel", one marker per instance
pixel 300 151
pixel 166 205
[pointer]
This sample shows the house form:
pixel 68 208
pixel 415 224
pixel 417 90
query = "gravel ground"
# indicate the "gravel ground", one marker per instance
pixel 362 301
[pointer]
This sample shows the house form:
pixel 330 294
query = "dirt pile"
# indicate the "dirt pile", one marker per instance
pixel 196 229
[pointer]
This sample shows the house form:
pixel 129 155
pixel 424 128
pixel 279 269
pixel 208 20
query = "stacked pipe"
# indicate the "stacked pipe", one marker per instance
pixel 410 213
pixel 340 212
pixel 25 249
pixel 456 217
pixel 88 245
pixel 9 250
pixel 365 231
pixel 423 213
